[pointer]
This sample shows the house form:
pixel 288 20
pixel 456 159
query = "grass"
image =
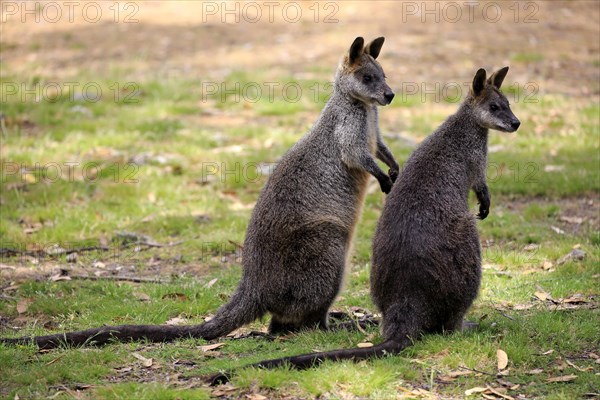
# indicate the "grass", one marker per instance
pixel 179 168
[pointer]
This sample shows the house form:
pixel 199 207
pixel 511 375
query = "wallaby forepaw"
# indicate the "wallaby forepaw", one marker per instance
pixel 386 185
pixel 483 212
pixel 393 173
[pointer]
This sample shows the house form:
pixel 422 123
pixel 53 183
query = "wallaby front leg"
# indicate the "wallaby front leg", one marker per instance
pixel 483 196
pixel 385 155
pixel 369 164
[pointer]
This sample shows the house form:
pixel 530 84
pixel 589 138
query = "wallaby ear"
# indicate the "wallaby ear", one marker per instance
pixel 479 81
pixel 374 47
pixel 356 49
pixel 497 77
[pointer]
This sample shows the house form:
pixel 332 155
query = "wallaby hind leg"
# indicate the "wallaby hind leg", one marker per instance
pixel 316 319
pixel 405 321
pixel 454 323
pixel 278 327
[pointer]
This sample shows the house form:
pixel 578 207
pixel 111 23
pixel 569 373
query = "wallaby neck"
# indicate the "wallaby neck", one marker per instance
pixel 342 99
pixel 464 120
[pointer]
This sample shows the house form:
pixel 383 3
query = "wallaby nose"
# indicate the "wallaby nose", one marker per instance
pixel 388 96
pixel 515 124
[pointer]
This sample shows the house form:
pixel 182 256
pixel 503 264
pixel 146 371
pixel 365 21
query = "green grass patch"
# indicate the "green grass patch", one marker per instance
pixel 175 166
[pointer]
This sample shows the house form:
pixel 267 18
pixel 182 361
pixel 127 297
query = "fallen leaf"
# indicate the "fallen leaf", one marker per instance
pixel 224 390
pixel 255 396
pixel 557 230
pixel 579 368
pixel 209 347
pixel 455 374
pixel 576 298
pixel 564 378
pixel 536 371
pixel 543 296
pixel 474 390
pixel 364 345
pixel 146 362
pixel 141 296
pixel 502 359
pixel 446 378
pixel 451 376
pixel 60 277
pixel 547 353
pixel 553 168
pixel 176 321
pixel 572 220
pixel 211 283
pixel 499 392
pixel 23 305
pixel 521 307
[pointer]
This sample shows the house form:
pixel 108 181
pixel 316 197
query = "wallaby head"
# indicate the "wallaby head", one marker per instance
pixel 361 76
pixel 490 106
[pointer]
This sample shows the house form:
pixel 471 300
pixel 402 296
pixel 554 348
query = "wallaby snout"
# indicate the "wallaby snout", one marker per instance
pixel 515 124
pixel 389 96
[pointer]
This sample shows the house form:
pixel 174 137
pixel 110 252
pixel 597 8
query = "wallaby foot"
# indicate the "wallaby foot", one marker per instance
pixel 317 319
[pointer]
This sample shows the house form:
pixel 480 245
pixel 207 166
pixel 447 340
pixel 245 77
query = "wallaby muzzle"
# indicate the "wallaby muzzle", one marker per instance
pixel 389 96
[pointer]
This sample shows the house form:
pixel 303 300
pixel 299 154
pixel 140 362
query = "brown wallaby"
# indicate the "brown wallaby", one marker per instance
pixel 426 254
pixel 300 233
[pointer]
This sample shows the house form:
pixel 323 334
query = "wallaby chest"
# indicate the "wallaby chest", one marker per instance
pixel 371 129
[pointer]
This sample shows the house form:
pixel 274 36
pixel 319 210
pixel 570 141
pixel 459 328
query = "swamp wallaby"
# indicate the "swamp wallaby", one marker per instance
pixel 299 237
pixel 426 255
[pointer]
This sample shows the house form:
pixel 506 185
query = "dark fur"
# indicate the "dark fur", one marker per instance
pixel 301 229
pixel 426 265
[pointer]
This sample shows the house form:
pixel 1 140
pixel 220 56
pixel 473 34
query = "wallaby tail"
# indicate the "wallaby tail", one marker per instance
pixel 103 335
pixel 232 315
pixel 240 310
pixel 308 360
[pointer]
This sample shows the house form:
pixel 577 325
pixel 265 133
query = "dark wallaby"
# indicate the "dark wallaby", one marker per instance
pixel 300 233
pixel 426 255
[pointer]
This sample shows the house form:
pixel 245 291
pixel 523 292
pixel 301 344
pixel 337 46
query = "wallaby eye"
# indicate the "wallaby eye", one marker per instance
pixel 493 107
pixel 367 78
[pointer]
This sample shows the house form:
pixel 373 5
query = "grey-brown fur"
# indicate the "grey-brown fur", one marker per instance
pixel 301 230
pixel 300 233
pixel 426 256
